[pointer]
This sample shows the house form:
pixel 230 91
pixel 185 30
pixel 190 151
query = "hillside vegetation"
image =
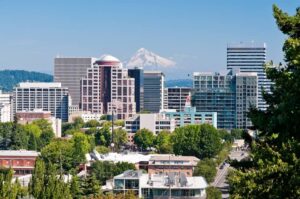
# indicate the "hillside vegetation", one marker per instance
pixel 10 78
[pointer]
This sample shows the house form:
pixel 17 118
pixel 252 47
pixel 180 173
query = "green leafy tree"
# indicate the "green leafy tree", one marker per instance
pixel 33 129
pixel 103 136
pixel 120 138
pixel 92 123
pixel 144 138
pixel 104 170
pixel 207 169
pixel 225 135
pixel 91 186
pixel 237 133
pixel 78 123
pixel 102 149
pixel 32 143
pixel 163 143
pixel 8 188
pixel 81 146
pixel 36 184
pixel 202 141
pixel 213 193
pixel 60 153
pixel 274 169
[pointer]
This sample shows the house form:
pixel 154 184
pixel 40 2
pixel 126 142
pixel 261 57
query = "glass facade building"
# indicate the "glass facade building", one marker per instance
pixel 138 75
pixel 153 91
pixel 229 95
pixel 250 57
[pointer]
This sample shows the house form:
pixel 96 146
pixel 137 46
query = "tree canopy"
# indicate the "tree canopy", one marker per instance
pixel 273 169
pixel 202 141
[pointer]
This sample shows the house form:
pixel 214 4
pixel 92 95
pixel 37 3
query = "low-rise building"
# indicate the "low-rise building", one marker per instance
pixel 21 161
pixel 160 186
pixel 27 117
pixel 174 164
pixel 154 122
pixel 85 115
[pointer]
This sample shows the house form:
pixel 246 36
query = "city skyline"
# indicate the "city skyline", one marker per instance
pixel 192 35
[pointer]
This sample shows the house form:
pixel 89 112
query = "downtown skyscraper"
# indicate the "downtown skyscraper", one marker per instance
pixel 69 71
pixel 250 57
pixel 107 88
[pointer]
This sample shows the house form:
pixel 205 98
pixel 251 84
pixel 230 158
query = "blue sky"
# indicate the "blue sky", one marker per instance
pixel 193 33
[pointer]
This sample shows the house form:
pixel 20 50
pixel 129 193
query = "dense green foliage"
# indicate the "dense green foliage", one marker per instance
pixel 33 136
pixel 10 78
pixel 213 193
pixel 144 139
pixel 273 170
pixel 207 169
pixel 163 143
pixel 10 189
pixel 45 182
pixel 202 141
pixel 104 170
pixel 66 154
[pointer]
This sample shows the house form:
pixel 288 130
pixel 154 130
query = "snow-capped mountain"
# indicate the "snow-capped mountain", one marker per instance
pixel 149 61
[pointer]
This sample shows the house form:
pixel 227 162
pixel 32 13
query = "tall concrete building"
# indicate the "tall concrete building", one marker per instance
pixel 69 71
pixel 107 87
pixel 153 91
pixel 246 96
pixel 250 57
pixel 175 98
pixel 229 95
pixel 45 96
pixel 138 75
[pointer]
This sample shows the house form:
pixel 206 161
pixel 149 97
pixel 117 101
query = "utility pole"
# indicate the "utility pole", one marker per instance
pixel 170 194
pixel 112 130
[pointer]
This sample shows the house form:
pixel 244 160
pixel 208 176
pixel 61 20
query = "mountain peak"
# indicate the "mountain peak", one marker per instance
pixel 149 60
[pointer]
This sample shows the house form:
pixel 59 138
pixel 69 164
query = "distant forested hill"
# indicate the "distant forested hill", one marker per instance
pixel 10 78
pixel 179 83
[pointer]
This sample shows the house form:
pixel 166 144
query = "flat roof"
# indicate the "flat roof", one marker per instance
pixel 40 85
pixel 18 153
pixel 173 157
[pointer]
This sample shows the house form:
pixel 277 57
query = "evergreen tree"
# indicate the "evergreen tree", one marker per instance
pixel 274 171
pixel 37 181
pixel 32 145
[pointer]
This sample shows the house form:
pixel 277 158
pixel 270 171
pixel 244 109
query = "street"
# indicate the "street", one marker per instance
pixel 220 179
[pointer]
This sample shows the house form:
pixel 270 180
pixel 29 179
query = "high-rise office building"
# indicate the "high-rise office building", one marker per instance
pixel 45 96
pixel 153 91
pixel 250 57
pixel 229 95
pixel 175 98
pixel 69 71
pixel 246 96
pixel 107 88
pixel 138 75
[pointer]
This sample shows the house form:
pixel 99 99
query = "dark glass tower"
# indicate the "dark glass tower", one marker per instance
pixel 138 75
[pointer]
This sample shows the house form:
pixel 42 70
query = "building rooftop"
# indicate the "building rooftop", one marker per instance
pixel 40 85
pixel 250 44
pixel 124 157
pixel 18 153
pixel 172 159
pixel 172 181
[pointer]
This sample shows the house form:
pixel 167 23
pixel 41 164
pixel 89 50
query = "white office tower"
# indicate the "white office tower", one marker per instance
pixel 40 95
pixel 107 88
pixel 69 71
pixel 5 107
pixel 154 91
pixel 250 57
